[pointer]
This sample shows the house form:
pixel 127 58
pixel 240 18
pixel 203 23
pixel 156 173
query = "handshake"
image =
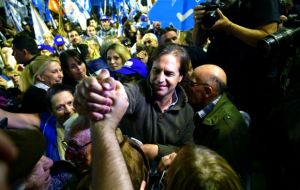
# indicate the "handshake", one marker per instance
pixel 101 97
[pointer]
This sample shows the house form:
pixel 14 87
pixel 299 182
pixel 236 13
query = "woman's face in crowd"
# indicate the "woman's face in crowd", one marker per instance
pixel 52 74
pixel 143 56
pixel 76 69
pixel 114 60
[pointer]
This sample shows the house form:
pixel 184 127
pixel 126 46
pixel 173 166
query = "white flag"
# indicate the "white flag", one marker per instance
pixel 39 25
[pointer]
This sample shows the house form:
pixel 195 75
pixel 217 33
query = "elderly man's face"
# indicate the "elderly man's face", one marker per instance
pixel 79 149
pixel 195 90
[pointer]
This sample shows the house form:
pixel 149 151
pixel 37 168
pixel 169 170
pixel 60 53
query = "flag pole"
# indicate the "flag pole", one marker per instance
pixel 104 7
pixel 61 30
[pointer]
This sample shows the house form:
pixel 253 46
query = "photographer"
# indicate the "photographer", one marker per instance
pixel 238 26
pixel 233 45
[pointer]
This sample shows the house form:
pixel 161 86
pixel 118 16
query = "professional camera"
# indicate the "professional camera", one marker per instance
pixel 211 16
pixel 280 51
pixel 282 39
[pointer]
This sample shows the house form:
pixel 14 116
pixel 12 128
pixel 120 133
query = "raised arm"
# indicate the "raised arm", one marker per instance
pixel 247 35
pixel 91 96
pixel 109 167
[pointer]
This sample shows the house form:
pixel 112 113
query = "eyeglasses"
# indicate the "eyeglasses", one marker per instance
pixel 193 84
pixel 73 146
pixel 189 82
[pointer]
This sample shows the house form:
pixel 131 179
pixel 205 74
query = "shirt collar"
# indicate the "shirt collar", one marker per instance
pixel 41 85
pixel 207 109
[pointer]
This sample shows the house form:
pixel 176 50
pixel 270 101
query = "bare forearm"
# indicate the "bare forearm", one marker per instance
pixel 21 120
pixel 109 168
pixel 150 150
pixel 251 36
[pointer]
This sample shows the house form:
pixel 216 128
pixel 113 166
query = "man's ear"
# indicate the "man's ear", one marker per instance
pixel 25 53
pixel 180 78
pixel 208 91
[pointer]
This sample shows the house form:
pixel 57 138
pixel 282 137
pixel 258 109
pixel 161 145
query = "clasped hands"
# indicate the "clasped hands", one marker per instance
pixel 101 98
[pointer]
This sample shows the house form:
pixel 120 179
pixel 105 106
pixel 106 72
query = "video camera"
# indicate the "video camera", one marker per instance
pixel 211 16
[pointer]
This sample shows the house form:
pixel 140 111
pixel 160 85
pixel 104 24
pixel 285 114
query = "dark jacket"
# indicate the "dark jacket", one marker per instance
pixel 224 131
pixel 145 121
pixel 34 100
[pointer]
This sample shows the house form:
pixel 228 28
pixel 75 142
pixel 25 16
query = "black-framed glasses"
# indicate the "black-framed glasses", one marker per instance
pixel 73 146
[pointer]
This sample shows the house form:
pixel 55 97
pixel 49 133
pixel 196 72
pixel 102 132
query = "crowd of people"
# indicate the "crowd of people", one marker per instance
pixel 151 108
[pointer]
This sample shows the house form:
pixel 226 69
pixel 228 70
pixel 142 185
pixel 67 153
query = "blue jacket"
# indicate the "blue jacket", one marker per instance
pixel 48 128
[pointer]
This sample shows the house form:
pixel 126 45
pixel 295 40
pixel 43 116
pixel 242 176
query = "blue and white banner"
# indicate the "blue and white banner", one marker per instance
pixel 13 16
pixel 76 13
pixel 178 13
pixel 85 4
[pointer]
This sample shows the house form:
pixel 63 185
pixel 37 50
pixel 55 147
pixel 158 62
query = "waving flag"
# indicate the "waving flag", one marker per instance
pixel 39 25
pixel 13 15
pixel 85 4
pixel 39 4
pixel 53 5
pixel 76 13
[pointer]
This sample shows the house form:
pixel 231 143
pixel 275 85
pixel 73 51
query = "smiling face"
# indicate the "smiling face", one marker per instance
pixel 114 60
pixel 52 74
pixel 165 76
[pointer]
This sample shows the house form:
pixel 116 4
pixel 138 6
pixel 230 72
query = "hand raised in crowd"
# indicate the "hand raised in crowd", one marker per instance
pixel 89 97
pixel 94 96
pixel 198 14
pixel 223 23
pixel 119 105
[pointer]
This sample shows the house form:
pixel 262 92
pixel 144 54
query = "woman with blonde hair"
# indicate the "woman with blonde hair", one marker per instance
pixel 93 49
pixel 150 39
pixel 197 167
pixel 116 55
pixel 36 78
